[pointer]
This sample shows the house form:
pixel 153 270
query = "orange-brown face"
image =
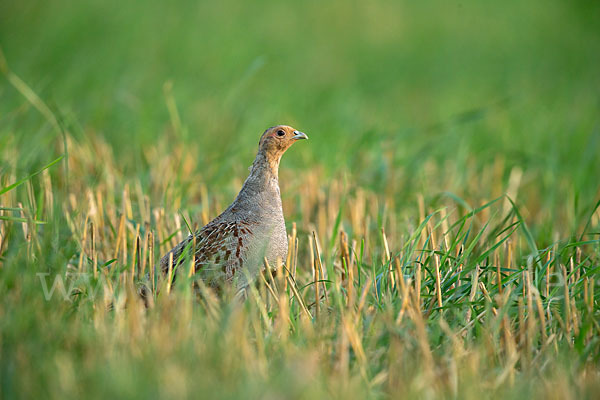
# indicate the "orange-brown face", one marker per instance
pixel 276 140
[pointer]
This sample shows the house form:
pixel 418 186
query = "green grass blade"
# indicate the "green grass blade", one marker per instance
pixel 21 181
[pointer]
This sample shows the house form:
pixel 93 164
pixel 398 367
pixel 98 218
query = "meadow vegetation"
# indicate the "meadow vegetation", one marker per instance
pixel 443 218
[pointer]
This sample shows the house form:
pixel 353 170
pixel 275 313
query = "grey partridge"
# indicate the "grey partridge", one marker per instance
pixel 232 247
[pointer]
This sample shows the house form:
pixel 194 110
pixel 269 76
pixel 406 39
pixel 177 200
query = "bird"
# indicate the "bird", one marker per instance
pixel 231 248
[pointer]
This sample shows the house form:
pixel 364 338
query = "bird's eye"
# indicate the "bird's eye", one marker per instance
pixel 280 133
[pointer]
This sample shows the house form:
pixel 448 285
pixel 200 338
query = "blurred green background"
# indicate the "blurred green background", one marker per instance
pixel 378 85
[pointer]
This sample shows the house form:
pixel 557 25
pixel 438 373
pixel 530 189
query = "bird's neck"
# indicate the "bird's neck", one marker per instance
pixel 263 178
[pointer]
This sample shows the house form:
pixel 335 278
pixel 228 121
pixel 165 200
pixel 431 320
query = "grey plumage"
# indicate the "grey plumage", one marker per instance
pixel 232 247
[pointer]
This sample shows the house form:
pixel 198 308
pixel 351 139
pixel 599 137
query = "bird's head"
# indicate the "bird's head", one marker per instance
pixel 276 140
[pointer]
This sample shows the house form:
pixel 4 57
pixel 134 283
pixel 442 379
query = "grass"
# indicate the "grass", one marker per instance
pixel 443 219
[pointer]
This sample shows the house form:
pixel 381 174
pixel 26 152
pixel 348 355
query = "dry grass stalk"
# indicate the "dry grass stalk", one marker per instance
pixel 283 320
pixel 94 253
pixel 267 285
pixel 151 260
pixel 121 242
pixel 474 283
pixel 192 264
pixel 567 301
pixel 578 260
pixel 591 296
pixel 288 261
pixel 343 352
pixel 548 272
pixel 586 295
pixel 170 273
pixel 363 298
pixel 144 255
pixel 438 280
pixel 294 257
pixel 531 322
pixel 273 285
pixel 437 277
pixel 316 277
pixel 523 338
pixel 355 343
pixel 298 297
pixel 83 244
pixel 415 314
pixel 345 259
pixel 498 273
pixel 136 254
pixel 320 267
pixel 540 311
pixel 406 296
pixel 418 285
pixel 400 275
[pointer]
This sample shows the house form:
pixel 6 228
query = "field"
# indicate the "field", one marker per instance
pixel 443 218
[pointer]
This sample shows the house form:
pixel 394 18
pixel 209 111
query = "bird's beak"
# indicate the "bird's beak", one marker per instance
pixel 299 135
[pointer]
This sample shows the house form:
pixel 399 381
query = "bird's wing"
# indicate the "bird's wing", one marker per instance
pixel 219 248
